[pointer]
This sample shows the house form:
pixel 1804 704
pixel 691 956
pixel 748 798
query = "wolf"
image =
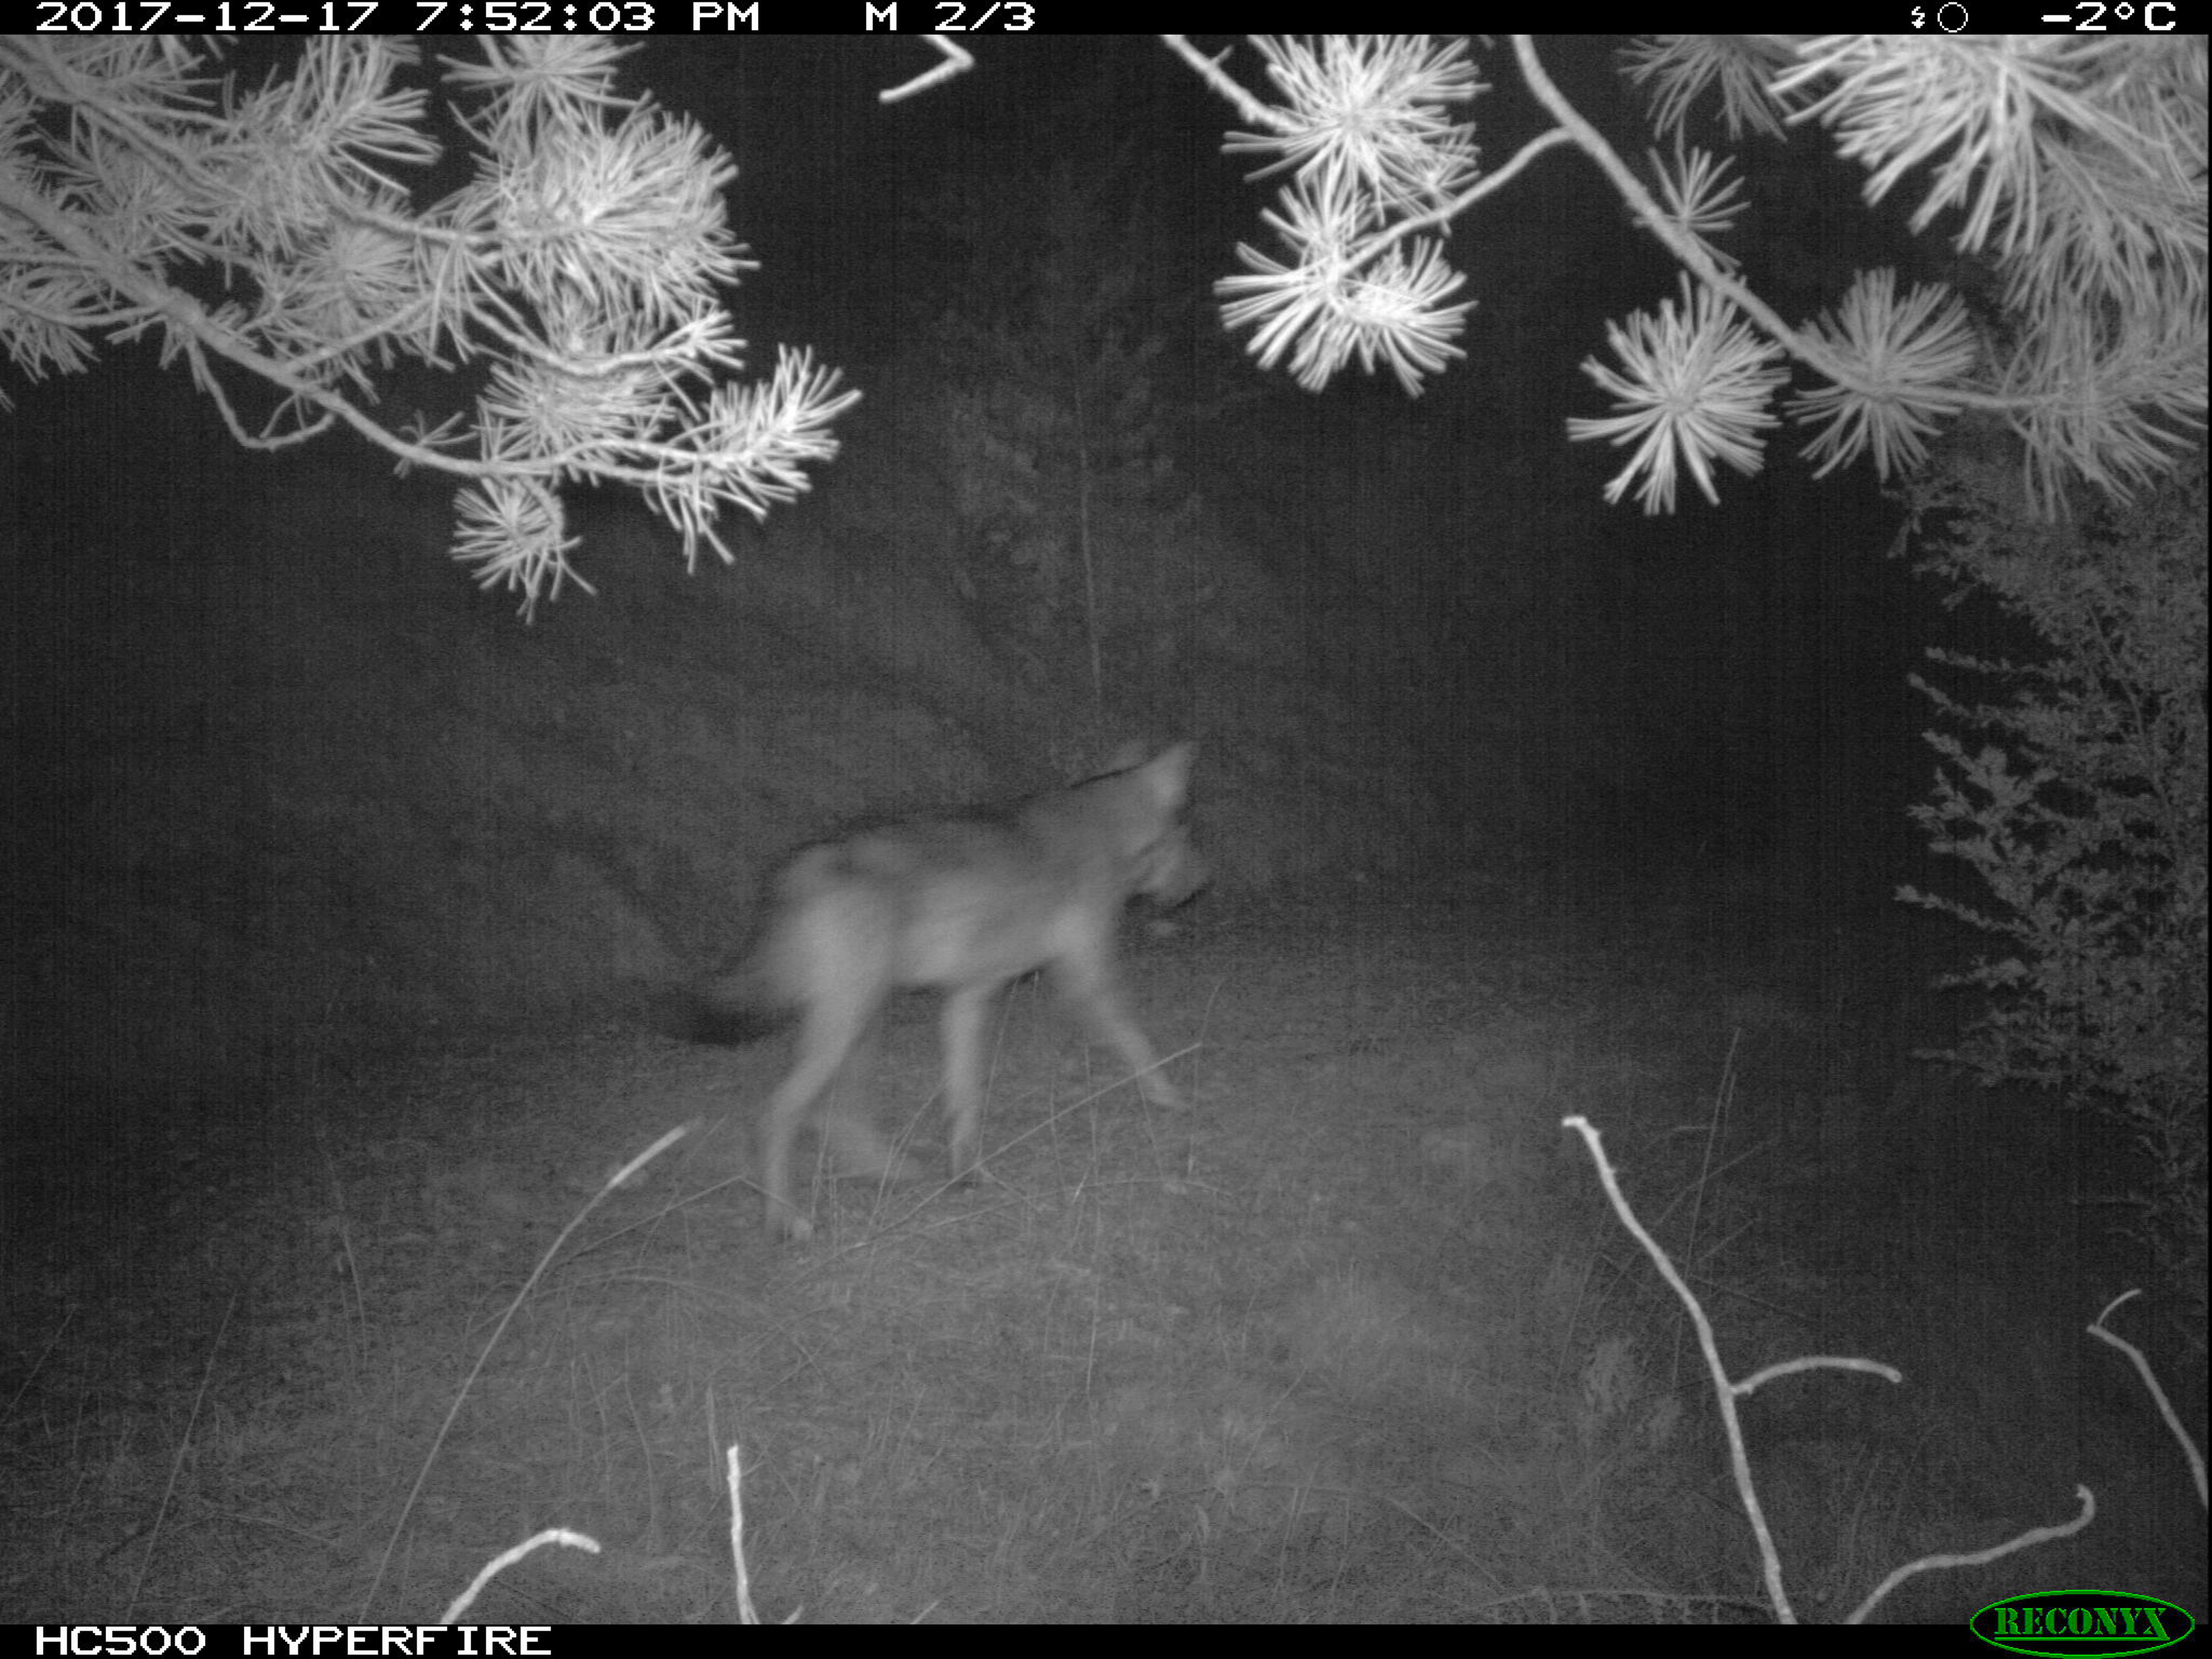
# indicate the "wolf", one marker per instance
pixel 963 905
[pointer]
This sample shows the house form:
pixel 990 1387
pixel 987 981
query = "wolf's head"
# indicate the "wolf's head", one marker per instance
pixel 1164 865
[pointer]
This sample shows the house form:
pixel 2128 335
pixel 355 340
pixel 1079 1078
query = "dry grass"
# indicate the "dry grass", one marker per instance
pixel 1359 1341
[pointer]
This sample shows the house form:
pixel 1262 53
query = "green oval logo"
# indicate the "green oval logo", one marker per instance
pixel 2103 1623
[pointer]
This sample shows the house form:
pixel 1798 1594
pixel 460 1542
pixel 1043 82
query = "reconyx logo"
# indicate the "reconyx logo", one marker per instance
pixel 2106 1622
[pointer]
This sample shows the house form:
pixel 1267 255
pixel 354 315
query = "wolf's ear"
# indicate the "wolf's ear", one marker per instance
pixel 1126 757
pixel 1171 773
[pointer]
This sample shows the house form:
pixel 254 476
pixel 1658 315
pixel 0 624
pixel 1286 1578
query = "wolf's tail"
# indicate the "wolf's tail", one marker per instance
pixel 737 1008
